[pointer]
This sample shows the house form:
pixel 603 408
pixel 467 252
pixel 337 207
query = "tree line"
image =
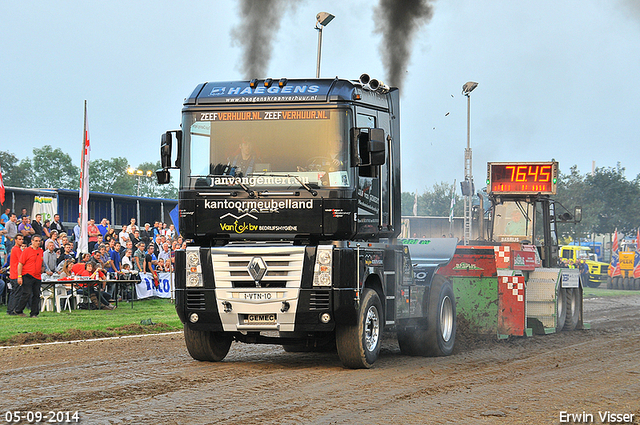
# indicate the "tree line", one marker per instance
pixel 608 199
pixel 53 168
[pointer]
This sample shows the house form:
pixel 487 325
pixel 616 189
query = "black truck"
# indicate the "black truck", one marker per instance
pixel 289 194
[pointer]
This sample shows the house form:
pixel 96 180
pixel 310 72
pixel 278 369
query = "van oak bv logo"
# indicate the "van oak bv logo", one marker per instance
pixel 250 209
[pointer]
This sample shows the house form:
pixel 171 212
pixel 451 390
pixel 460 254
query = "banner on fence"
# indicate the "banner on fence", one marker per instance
pixel 147 287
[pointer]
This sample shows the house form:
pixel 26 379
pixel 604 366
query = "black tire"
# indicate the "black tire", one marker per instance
pixel 617 282
pixel 593 283
pixel 625 284
pixel 359 345
pixel 636 284
pixel 438 337
pixel 207 346
pixel 573 306
pixel 609 282
pixel 562 308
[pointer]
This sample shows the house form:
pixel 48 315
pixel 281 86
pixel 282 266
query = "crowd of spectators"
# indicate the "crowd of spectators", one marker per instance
pixel 111 251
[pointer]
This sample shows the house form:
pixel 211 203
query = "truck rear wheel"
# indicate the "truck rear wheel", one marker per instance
pixel 609 283
pixel 359 345
pixel 637 284
pixel 438 337
pixel 573 305
pixel 207 346
pixel 625 283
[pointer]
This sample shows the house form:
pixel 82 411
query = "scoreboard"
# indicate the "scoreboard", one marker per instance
pixel 523 178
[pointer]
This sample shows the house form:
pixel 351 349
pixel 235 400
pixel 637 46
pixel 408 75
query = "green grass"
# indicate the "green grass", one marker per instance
pixel 603 292
pixel 50 326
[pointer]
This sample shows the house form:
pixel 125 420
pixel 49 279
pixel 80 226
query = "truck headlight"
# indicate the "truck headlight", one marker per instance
pixel 194 269
pixel 322 270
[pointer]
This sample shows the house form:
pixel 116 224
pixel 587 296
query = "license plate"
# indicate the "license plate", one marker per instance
pixel 260 319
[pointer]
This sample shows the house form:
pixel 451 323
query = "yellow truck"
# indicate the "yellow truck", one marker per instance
pixel 572 255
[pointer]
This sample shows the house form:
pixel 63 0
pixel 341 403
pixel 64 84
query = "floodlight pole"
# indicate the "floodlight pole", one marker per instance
pixel 467 88
pixel 322 20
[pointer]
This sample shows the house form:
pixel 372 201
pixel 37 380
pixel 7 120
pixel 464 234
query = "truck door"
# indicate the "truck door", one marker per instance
pixel 368 184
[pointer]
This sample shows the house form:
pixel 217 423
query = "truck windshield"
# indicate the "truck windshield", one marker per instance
pixel 262 148
pixel 513 222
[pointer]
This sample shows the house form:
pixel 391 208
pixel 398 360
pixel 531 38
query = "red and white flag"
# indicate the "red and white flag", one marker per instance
pixel 83 243
pixel 1 188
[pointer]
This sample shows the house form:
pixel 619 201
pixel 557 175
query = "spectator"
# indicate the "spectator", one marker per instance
pixel 110 236
pixel 124 248
pixel 165 254
pixel 50 259
pixel 3 250
pixel 126 260
pixel 92 272
pixel 156 230
pixel 138 258
pixel 37 225
pixel 103 227
pixel 93 232
pixel 150 260
pixel 114 254
pixel 172 231
pixel 135 237
pixel 146 234
pixel 4 218
pixel 62 241
pixel 46 229
pixel 67 253
pixel 54 239
pixel 56 224
pixel 23 214
pixel 124 235
pixel 168 267
pixel 76 232
pixel 165 231
pixel 14 259
pixel 26 230
pixel 132 225
pixel 29 273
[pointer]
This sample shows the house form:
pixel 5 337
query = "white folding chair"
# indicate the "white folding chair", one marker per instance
pixel 46 300
pixel 61 294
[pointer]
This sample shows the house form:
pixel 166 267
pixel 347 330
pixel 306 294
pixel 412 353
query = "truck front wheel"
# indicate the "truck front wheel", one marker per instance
pixel 438 337
pixel 207 346
pixel 359 345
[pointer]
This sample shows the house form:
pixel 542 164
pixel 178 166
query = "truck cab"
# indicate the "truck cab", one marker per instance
pixel 289 193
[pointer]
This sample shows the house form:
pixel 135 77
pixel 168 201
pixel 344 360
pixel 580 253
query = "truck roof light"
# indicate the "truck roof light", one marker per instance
pixel 253 83
pixel 282 82
pixel 268 82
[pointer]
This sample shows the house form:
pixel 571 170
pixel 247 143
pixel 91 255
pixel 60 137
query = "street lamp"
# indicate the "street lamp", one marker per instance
pixel 322 19
pixel 467 186
pixel 139 174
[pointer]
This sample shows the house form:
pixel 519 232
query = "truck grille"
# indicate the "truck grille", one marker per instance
pixel 195 300
pixel 231 266
pixel 319 300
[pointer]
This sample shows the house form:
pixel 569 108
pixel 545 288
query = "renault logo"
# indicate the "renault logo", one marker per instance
pixel 257 268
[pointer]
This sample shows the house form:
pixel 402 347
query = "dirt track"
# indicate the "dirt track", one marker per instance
pixel 152 380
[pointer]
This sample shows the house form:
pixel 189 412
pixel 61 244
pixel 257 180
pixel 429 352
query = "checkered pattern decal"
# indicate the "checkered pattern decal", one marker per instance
pixel 515 286
pixel 503 256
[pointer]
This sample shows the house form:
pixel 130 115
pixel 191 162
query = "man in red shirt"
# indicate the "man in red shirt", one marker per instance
pixel 16 290
pixel 30 269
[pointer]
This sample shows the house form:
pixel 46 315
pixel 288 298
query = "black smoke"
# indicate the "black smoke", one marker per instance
pixel 255 33
pixel 398 21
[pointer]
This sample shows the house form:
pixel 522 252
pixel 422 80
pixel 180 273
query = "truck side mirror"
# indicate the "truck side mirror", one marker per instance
pixel 166 147
pixel 163 176
pixel 165 151
pixel 577 214
pixel 368 146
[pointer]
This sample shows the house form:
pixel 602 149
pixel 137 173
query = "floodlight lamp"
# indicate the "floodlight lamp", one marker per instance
pixel 323 18
pixel 469 87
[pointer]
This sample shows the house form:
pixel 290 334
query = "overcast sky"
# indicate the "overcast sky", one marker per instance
pixel 557 79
